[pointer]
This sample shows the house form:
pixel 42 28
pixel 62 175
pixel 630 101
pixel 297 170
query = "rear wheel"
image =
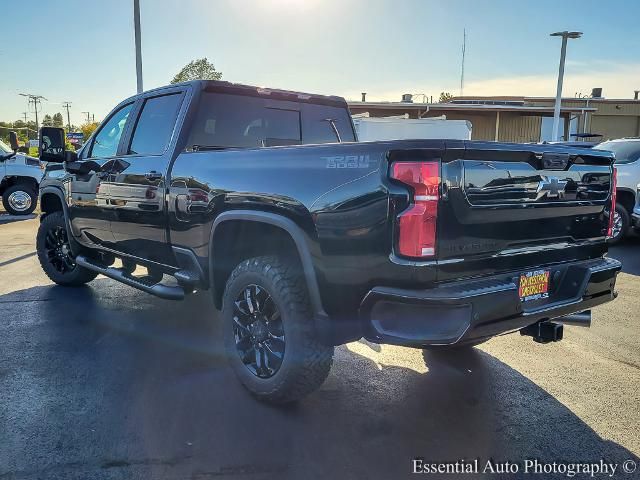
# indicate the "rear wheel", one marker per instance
pixel 55 254
pixel 621 223
pixel 20 199
pixel 269 334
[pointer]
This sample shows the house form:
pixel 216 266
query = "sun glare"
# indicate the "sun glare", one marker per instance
pixel 291 4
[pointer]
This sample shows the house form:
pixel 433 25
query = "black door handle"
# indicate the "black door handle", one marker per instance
pixel 153 175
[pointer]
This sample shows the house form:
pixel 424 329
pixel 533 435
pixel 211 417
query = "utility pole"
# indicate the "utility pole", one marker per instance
pixel 464 49
pixel 88 118
pixel 36 100
pixel 563 54
pixel 24 114
pixel 67 105
pixel 138 42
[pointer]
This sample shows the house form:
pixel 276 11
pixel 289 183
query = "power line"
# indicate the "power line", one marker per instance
pixel 36 100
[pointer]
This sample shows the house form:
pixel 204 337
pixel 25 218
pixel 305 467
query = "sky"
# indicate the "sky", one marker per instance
pixel 83 51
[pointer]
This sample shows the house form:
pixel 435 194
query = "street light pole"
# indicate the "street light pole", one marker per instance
pixel 563 54
pixel 136 26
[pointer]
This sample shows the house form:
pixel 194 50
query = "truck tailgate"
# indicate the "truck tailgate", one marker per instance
pixel 510 206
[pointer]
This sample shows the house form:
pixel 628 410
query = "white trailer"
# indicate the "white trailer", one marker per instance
pixel 398 128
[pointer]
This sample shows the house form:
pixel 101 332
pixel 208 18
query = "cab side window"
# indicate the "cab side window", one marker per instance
pixel 155 125
pixel 105 143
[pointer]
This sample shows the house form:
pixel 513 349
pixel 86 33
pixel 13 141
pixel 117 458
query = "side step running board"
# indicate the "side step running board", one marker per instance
pixel 158 289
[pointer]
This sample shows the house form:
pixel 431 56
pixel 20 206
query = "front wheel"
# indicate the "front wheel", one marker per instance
pixel 20 199
pixel 54 253
pixel 269 334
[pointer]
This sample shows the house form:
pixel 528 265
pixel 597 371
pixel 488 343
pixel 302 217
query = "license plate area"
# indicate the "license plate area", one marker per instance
pixel 534 285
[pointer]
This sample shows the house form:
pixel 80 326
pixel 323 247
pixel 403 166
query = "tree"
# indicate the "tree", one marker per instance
pixel 200 69
pixel 57 120
pixel 445 97
pixel 5 128
pixel 21 129
pixel 87 129
pixel 47 121
pixel 32 131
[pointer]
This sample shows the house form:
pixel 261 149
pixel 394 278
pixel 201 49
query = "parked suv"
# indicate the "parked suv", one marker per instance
pixel 20 176
pixel 627 152
pixel 307 239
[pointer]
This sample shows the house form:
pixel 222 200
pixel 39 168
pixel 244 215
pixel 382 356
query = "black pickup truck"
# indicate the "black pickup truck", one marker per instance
pixel 308 239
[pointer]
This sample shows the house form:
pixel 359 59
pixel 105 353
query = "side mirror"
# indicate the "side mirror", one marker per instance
pixel 51 147
pixel 13 140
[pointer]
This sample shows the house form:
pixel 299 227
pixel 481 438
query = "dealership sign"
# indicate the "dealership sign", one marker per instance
pixel 75 138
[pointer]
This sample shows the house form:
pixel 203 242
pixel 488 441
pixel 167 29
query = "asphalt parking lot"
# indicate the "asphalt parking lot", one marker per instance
pixel 108 382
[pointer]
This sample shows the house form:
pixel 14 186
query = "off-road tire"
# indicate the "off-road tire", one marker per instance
pixel 306 361
pixel 76 275
pixel 19 189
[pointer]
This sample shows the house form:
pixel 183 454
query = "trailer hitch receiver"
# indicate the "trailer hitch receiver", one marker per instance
pixel 544 331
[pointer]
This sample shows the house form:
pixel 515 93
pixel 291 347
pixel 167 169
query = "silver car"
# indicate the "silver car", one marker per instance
pixel 627 214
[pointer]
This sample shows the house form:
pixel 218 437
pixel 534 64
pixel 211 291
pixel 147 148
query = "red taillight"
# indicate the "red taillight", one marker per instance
pixel 614 186
pixel 417 224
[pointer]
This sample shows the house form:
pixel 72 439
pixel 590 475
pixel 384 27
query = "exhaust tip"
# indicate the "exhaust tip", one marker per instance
pixel 582 319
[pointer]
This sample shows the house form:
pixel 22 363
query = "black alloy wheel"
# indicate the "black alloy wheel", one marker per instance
pixel 58 251
pixel 55 253
pixel 258 331
pixel 269 332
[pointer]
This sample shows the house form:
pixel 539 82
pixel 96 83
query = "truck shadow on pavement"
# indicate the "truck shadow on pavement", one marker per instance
pixel 6 218
pixel 107 382
pixel 628 252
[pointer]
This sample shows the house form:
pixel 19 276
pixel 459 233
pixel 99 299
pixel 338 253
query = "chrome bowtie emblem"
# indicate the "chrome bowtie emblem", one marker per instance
pixel 551 187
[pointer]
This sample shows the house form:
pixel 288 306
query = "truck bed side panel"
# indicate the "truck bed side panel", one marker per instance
pixel 336 193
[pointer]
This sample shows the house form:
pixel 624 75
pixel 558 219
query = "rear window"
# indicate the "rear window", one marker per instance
pixel 626 152
pixel 245 122
pixel 317 123
pixel 227 120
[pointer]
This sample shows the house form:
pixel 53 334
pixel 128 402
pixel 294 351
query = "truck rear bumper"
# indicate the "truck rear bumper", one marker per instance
pixel 474 309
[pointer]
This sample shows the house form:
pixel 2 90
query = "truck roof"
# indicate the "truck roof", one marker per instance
pixel 252 90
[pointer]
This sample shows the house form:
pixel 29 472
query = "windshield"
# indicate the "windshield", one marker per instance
pixel 626 152
pixel 4 148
